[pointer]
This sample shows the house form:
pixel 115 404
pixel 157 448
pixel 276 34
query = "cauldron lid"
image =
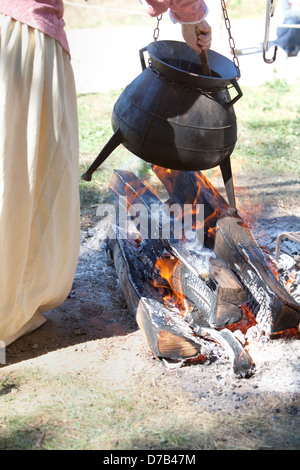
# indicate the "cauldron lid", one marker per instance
pixel 177 61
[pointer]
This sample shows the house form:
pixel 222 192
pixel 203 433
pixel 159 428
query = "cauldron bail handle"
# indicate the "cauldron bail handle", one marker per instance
pixel 142 58
pixel 237 97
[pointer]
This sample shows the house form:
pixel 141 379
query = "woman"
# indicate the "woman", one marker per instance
pixel 39 198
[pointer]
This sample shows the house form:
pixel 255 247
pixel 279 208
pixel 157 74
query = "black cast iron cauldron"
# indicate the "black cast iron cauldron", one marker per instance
pixel 173 116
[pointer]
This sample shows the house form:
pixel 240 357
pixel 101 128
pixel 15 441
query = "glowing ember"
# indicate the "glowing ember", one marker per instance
pixel 221 291
pixel 246 322
pixel 290 282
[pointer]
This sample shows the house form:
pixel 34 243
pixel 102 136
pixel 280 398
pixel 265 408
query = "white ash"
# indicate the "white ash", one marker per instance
pixel 288 263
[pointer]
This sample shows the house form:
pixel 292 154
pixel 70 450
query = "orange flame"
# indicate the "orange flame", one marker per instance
pixel 172 293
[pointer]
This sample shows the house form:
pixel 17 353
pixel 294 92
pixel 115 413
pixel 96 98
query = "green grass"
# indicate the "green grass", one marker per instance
pixel 268 129
pixel 76 411
pixel 73 412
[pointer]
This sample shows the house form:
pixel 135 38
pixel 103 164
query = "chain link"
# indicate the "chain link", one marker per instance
pixel 156 30
pixel 231 40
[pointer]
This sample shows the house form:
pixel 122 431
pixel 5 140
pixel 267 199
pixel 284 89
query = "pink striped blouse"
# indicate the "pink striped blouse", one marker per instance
pixel 44 15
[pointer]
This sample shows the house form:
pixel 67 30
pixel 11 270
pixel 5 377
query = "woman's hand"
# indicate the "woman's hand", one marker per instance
pixel 200 41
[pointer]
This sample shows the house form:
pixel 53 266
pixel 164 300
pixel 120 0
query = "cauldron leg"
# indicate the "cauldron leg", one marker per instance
pixel 227 178
pixel 114 141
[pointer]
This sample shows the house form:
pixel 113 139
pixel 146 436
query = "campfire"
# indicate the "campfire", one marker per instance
pixel 192 273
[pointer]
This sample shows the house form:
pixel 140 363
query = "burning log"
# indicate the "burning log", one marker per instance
pixel 213 289
pixel 218 298
pixel 275 310
pixel 243 365
pixel 166 331
pixel 231 239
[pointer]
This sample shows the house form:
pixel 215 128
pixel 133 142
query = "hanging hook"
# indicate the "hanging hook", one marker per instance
pixel 269 14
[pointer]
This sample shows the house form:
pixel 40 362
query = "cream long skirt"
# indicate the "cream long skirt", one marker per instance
pixel 39 197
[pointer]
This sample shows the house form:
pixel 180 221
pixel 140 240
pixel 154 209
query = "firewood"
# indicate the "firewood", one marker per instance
pixel 233 242
pixel 216 291
pixel 168 334
pixel 165 331
pixel 274 308
pixel 243 365
pixel 191 187
pixel 217 301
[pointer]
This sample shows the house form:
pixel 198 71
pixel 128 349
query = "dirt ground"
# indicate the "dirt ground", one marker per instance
pixel 93 333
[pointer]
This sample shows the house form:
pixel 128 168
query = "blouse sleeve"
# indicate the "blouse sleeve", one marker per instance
pixel 181 11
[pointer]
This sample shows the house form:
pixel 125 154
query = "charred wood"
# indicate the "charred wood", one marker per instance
pixel 274 308
pixel 191 187
pixel 233 242
pixel 165 331
pixel 243 365
pixel 213 288
pixel 168 334
pixel 217 299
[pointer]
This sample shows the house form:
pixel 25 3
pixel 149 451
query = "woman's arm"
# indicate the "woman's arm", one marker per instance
pixel 190 14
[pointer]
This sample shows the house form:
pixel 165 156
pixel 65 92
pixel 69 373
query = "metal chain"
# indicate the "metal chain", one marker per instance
pixel 231 40
pixel 156 30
